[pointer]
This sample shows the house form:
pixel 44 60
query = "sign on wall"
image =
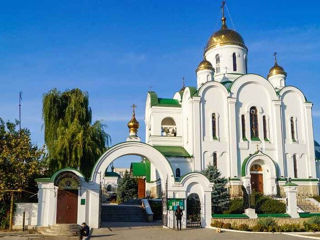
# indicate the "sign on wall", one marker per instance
pixel 173 203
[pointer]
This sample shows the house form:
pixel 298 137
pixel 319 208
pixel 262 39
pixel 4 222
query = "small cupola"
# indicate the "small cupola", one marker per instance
pixel 133 126
pixel 205 72
pixel 277 75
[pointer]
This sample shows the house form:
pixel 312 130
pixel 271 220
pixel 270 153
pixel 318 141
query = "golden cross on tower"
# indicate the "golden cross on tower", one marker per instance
pixel 183 83
pixel 134 108
pixel 275 57
pixel 222 8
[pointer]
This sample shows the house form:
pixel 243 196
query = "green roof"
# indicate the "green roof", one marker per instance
pixel 141 169
pixel 227 85
pixel 111 174
pixel 290 184
pixel 163 102
pixel 172 151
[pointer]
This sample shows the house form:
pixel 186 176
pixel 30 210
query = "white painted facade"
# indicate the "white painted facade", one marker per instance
pixel 229 92
pixel 31 212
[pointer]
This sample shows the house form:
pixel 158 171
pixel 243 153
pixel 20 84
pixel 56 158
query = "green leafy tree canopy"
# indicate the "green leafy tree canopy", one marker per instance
pixel 20 163
pixel 71 139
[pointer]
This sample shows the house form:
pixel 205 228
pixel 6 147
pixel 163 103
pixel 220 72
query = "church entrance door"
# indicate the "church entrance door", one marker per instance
pixel 256 178
pixel 67 206
pixel 257 182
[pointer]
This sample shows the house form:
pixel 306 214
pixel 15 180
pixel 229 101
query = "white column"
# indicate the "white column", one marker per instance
pixel 278 136
pixel 93 205
pixel 233 140
pixel 47 204
pixel 311 164
pixel 196 133
pixel 291 199
pixel 207 210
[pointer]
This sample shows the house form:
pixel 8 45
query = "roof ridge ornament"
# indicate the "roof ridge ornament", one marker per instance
pixel 223 18
pixel 275 58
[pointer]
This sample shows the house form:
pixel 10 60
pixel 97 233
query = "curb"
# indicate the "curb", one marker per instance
pixel 295 234
pixel 301 236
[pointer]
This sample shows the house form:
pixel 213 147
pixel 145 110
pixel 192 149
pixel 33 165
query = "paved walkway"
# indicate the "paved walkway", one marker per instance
pixel 156 233
pixel 159 233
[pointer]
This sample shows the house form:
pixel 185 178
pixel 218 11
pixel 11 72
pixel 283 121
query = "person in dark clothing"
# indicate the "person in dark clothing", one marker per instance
pixel 84 231
pixel 179 214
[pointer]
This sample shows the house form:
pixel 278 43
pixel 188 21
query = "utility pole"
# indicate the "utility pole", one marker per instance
pixel 20 100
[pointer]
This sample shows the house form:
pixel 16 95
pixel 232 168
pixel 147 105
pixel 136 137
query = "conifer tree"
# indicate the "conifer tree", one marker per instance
pixel 220 197
pixel 127 188
pixel 70 138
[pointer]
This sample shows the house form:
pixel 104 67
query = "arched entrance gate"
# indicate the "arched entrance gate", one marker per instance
pixel 89 193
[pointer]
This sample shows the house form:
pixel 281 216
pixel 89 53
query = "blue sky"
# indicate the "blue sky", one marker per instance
pixel 118 50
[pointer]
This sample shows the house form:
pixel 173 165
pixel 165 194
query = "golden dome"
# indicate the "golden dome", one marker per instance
pixel 133 124
pixel 276 69
pixel 225 36
pixel 204 65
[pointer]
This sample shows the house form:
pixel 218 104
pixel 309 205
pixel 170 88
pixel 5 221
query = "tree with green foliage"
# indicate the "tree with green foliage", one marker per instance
pixel 127 188
pixel 220 197
pixel 20 163
pixel 70 137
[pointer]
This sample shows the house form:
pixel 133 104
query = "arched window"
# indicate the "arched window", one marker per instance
pixel 295 167
pixel 178 173
pixel 265 133
pixel 217 63
pixel 234 60
pixel 246 62
pixel 168 127
pixel 109 188
pixel 214 126
pixel 254 123
pixel 292 127
pixel 243 127
pixel 215 160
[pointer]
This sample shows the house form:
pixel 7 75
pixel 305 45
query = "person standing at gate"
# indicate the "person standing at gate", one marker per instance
pixel 179 214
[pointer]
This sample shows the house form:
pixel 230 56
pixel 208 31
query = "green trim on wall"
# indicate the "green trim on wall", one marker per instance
pixel 43 180
pixel 304 180
pixel 274 215
pixel 173 151
pixel 308 215
pixel 235 216
pixel 64 170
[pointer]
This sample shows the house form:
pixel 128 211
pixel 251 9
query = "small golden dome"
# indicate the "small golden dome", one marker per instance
pixel 276 69
pixel 225 36
pixel 133 124
pixel 204 65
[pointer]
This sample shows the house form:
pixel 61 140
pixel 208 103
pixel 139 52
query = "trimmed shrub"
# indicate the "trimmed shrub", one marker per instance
pixel 243 227
pixel 291 228
pixel 156 207
pixel 257 228
pixel 236 206
pixel 264 204
pixel 217 224
pixel 312 224
pixel 270 206
pixel 267 225
pixel 226 225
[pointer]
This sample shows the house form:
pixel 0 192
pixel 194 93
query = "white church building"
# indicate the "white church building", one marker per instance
pixel 257 131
